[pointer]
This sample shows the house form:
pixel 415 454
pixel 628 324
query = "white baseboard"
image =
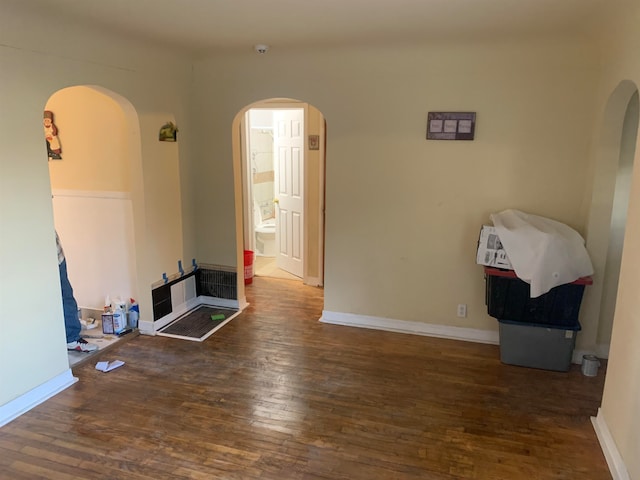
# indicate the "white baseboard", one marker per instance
pixel 600 351
pixel 415 328
pixel 313 281
pixel 242 303
pixel 614 460
pixel 146 327
pixel 576 356
pixel 218 302
pixel 33 398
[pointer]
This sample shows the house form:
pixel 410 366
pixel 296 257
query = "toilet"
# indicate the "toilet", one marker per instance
pixel 265 234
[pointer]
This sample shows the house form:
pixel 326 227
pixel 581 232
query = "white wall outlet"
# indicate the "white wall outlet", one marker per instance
pixel 462 310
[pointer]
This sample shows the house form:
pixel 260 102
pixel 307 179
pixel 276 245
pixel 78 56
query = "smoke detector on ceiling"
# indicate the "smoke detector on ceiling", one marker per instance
pixel 261 49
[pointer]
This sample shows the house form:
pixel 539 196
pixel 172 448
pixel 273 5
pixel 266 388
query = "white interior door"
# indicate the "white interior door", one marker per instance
pixel 289 189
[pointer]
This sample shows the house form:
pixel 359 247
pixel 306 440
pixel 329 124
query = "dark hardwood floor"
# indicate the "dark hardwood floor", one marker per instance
pixel 275 394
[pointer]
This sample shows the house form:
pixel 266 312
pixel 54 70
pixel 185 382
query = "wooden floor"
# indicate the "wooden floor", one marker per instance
pixel 275 394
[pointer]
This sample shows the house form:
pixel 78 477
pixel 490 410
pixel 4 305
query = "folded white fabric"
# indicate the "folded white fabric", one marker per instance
pixel 108 366
pixel 544 253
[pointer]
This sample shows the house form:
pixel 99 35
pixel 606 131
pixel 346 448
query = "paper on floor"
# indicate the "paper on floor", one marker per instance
pixel 108 366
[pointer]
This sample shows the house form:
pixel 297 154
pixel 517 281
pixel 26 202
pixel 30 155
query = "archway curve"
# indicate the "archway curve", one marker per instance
pixel 600 233
pixel 315 122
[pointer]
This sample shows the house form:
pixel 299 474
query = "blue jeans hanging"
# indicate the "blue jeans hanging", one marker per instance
pixel 72 324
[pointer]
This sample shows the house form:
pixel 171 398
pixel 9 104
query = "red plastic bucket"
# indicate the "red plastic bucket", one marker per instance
pixel 248 267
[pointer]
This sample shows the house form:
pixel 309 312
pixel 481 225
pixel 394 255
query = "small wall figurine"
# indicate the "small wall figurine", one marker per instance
pixel 51 136
pixel 168 132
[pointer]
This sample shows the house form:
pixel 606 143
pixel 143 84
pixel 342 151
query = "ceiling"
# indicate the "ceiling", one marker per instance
pixel 200 26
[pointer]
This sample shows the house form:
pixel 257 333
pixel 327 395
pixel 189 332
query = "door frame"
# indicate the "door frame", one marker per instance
pixel 244 216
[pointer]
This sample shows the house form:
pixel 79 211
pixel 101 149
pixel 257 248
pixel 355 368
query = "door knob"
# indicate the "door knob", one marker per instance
pixel 275 200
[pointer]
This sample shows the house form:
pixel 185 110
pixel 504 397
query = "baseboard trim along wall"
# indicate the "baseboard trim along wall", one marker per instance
pixel 426 329
pixel 614 460
pixel 576 356
pixel 415 328
pixel 313 281
pixel 219 302
pixel 12 410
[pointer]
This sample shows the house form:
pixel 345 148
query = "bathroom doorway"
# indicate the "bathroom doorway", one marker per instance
pixel 283 189
pixel 275 163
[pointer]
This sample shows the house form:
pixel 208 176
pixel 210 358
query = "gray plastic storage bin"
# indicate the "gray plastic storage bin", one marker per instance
pixel 537 346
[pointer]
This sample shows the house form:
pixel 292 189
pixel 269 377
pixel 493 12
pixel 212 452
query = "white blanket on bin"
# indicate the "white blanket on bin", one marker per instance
pixel 543 252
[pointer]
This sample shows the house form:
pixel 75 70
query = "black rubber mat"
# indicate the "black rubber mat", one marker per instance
pixel 197 323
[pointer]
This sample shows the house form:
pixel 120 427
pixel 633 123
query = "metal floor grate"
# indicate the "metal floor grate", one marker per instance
pixel 197 324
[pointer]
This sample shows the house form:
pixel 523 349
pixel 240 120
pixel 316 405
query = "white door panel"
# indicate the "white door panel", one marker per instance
pixel 296 245
pixel 289 148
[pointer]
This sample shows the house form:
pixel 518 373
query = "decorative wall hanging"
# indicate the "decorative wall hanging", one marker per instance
pixel 51 137
pixel 168 133
pixel 451 125
pixel 314 142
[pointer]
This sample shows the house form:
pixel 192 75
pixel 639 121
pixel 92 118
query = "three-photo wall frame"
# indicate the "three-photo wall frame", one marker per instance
pixel 451 125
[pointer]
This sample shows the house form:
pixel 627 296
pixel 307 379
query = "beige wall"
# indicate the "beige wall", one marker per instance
pixel 34 68
pixel 94 157
pixel 402 213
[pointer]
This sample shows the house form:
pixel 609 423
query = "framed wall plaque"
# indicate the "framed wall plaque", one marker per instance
pixel 451 125
pixel 314 142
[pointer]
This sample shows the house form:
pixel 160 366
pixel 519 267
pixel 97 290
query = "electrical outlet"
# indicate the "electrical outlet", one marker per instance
pixel 462 310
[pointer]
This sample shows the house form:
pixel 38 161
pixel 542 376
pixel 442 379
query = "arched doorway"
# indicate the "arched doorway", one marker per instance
pixel 617 226
pixel 608 212
pixel 314 167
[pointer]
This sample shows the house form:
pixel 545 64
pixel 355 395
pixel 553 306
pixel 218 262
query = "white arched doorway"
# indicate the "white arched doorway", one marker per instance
pixel 608 212
pixel 314 187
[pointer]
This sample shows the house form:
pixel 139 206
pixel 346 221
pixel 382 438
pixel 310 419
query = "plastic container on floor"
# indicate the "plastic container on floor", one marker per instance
pixel 508 297
pixel 248 267
pixel 537 346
